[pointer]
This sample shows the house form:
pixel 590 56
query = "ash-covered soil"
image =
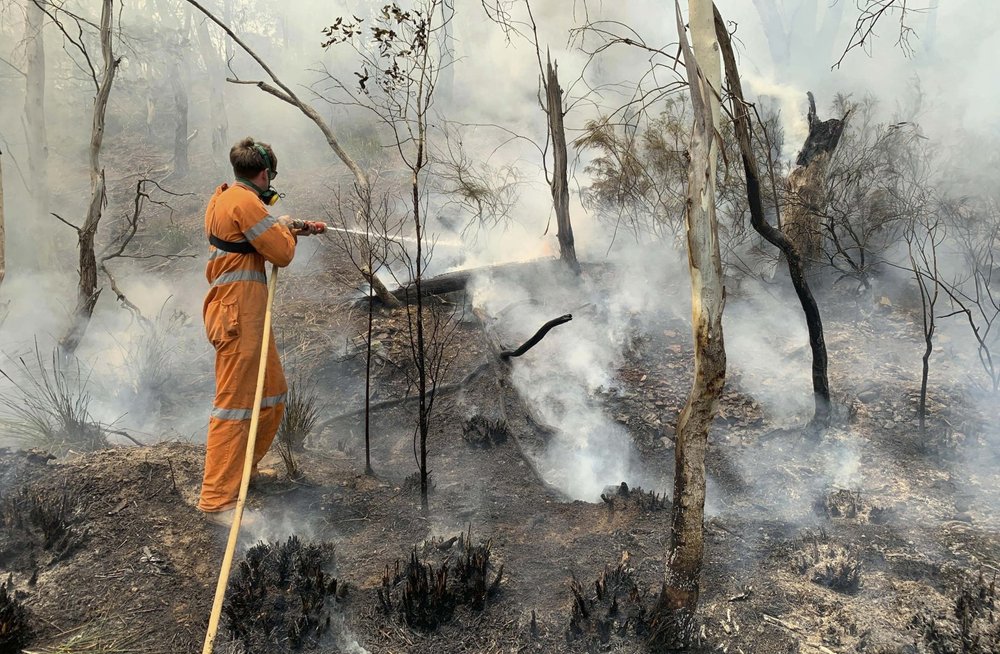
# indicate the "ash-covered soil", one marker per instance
pixel 867 537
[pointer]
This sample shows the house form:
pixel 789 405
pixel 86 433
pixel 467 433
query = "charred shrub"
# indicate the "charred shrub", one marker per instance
pixel 971 629
pixel 480 431
pixel 850 505
pixel 425 594
pixel 615 609
pixel 15 619
pixel 37 520
pixel 412 483
pixel 829 564
pixel 280 599
pixel 623 498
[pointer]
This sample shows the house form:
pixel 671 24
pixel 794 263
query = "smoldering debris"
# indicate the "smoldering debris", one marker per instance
pixel 282 598
pixel 440 577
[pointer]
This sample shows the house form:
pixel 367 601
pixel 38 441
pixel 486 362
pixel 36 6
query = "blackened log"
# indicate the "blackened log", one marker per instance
pixel 456 281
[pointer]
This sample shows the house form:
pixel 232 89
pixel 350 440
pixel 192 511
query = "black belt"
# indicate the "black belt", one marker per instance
pixel 228 246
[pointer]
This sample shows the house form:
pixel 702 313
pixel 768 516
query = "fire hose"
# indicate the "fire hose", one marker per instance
pixel 234 529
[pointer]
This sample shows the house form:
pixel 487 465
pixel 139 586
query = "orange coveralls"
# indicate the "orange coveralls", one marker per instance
pixel 234 322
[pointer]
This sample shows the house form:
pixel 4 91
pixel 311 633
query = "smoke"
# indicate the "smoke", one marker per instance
pixel 565 377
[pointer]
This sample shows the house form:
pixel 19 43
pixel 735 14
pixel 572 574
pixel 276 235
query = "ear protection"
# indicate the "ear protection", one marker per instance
pixel 268 196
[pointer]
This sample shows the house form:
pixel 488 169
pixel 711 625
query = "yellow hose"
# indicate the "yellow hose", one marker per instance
pixel 234 530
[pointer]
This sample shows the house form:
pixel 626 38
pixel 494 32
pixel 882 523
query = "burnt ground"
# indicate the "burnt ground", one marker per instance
pixel 869 537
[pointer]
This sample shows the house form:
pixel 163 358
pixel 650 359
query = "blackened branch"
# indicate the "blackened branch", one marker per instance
pixel 539 335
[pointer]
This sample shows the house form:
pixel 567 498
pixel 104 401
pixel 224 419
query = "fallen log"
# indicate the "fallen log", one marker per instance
pixel 456 280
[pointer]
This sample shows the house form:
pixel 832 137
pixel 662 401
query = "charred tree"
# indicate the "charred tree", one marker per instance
pixel 87 290
pixel 678 602
pixel 559 183
pixel 744 135
pixel 923 237
pixel 807 185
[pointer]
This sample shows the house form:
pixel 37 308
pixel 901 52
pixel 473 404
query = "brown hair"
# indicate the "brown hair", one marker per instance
pixel 248 161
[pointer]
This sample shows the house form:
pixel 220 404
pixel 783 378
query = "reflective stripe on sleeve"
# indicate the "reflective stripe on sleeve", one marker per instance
pixel 240 276
pixel 262 226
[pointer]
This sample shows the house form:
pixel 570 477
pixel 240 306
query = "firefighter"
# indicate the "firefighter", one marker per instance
pixel 243 235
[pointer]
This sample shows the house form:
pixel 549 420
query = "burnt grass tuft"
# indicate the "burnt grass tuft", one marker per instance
pixel 828 564
pixel 615 608
pixel 623 498
pixel 480 431
pixel 972 627
pixel 425 594
pixel 38 523
pixel 15 619
pixel 849 505
pixel 281 598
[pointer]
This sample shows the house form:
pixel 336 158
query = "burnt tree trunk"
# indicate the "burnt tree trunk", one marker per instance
pixel 679 600
pixel 560 176
pixel 87 291
pixel 807 185
pixel 814 322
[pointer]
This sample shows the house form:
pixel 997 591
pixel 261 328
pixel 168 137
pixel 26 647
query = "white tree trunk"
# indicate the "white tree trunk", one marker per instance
pixel 3 231
pixel 679 600
pixel 215 68
pixel 35 128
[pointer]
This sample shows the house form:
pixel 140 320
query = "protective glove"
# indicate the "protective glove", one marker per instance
pixel 306 227
pixel 314 227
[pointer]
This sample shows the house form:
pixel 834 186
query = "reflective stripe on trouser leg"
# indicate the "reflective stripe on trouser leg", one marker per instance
pixel 224 456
